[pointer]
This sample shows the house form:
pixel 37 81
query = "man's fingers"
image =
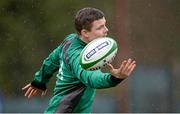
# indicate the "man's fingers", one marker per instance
pixel 124 69
pixel 44 93
pixel 130 66
pixel 128 62
pixel 110 66
pixel 31 93
pixel 34 93
pixel 131 69
pixel 27 92
pixel 122 65
pixel 26 86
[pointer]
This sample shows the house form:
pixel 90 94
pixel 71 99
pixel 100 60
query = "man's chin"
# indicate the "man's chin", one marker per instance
pixel 105 35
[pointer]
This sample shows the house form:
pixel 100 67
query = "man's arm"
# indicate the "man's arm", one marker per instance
pixel 97 79
pixel 49 66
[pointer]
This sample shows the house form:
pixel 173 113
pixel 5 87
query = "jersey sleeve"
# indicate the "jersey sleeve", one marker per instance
pixel 50 65
pixel 94 79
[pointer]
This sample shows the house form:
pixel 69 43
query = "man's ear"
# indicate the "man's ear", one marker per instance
pixel 85 33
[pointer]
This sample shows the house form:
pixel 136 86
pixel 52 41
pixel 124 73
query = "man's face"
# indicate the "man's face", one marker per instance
pixel 98 29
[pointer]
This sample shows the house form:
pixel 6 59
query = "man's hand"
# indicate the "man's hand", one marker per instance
pixel 32 91
pixel 126 68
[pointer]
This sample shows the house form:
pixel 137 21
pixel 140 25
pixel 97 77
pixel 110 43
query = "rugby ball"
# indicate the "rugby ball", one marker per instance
pixel 98 53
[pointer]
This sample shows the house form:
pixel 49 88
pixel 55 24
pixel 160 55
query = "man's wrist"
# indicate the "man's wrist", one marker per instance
pixel 120 76
pixel 115 79
pixel 38 85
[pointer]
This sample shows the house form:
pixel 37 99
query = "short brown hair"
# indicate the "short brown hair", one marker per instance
pixel 85 17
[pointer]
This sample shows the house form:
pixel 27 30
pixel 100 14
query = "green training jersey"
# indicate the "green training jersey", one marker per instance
pixel 75 87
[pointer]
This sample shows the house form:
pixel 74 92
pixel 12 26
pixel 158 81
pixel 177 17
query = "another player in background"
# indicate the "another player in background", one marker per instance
pixel 75 87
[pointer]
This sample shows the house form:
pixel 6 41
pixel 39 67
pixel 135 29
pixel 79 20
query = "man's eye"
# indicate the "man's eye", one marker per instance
pixel 99 28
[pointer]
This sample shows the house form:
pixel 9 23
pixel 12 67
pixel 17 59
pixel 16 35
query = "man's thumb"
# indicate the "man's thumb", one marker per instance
pixel 110 67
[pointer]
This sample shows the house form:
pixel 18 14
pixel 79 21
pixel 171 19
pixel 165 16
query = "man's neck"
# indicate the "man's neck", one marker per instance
pixel 83 39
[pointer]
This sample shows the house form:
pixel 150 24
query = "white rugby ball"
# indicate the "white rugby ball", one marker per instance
pixel 98 53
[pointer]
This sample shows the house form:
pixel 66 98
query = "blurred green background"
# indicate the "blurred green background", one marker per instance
pixel 146 30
